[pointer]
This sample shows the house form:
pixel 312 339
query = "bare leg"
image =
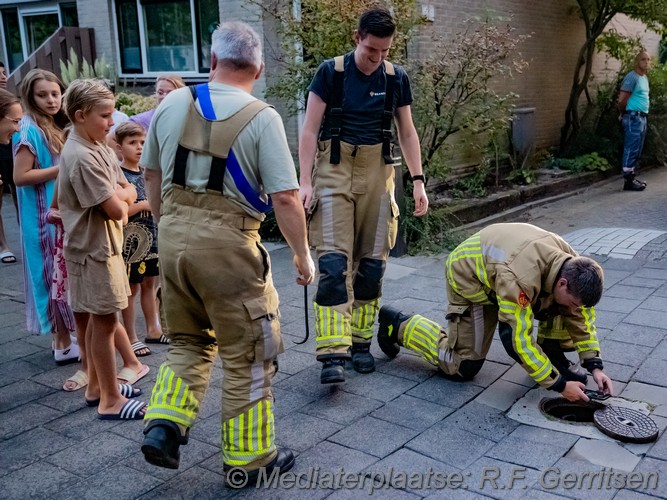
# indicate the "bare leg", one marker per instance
pixel 149 307
pixel 3 239
pixel 61 336
pixel 103 363
pixel 125 349
pixel 130 318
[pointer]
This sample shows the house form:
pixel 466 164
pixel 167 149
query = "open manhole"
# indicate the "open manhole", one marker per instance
pixel 570 411
pixel 624 424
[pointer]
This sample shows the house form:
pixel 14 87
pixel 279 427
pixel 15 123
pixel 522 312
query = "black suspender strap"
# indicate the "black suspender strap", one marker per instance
pixel 179 166
pixel 336 109
pixel 217 176
pixel 388 113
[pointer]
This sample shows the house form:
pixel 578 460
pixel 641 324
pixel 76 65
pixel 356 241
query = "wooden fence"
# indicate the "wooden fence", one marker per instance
pixel 53 50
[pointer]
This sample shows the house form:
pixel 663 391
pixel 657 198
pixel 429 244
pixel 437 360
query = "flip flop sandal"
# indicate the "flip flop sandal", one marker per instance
pixel 126 390
pixel 80 378
pixel 140 346
pixel 129 376
pixel 162 339
pixel 7 257
pixel 131 410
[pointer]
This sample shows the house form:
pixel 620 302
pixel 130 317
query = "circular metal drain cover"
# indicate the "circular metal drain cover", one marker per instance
pixel 625 424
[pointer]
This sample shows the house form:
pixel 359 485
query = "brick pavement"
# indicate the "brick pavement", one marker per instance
pixel 403 418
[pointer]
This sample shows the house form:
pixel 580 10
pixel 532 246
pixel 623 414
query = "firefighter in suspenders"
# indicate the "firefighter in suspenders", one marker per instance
pixel 215 159
pixel 347 187
pixel 509 275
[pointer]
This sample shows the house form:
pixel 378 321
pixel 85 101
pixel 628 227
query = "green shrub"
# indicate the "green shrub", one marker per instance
pixel 73 68
pixel 133 104
pixel 589 162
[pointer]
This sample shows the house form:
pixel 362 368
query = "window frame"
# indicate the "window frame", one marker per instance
pixel 143 44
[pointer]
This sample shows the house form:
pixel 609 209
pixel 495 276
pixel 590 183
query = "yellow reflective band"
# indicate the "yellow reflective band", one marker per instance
pixel 589 320
pixel 421 335
pixel 249 436
pixel 522 339
pixel 363 319
pixel 172 399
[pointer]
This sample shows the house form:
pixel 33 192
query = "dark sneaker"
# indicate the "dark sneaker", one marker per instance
pixel 389 320
pixel 362 359
pixel 237 478
pixel 161 442
pixel 634 185
pixel 333 371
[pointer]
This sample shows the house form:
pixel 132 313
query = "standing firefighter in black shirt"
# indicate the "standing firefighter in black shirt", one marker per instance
pixel 347 185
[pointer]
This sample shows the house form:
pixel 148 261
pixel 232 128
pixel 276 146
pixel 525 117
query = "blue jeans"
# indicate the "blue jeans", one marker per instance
pixel 634 128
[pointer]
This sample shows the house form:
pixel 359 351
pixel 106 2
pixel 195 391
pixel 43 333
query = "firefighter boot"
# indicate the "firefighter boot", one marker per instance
pixel 632 184
pixel 552 349
pixel 362 359
pixel 333 369
pixel 161 441
pixel 237 478
pixel 390 320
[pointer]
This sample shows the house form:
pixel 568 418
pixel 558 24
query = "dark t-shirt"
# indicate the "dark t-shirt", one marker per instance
pixel 140 233
pixel 363 99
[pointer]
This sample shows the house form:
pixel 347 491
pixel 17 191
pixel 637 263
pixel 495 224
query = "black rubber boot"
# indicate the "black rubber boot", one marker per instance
pixel 161 441
pixel 237 478
pixel 389 320
pixel 632 184
pixel 555 354
pixel 333 370
pixel 362 359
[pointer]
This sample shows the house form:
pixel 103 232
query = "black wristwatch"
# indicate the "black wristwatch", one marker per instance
pixel 419 177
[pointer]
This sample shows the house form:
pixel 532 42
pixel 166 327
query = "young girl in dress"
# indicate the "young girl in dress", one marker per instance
pixel 36 150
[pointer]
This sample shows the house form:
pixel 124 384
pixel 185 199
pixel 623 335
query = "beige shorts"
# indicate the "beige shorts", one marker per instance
pixel 98 287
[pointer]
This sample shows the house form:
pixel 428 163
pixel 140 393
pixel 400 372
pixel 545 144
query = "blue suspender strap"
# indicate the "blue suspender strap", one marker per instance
pixel 204 96
pixel 244 186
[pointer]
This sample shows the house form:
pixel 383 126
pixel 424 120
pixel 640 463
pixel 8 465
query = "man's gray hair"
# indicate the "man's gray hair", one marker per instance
pixel 237 45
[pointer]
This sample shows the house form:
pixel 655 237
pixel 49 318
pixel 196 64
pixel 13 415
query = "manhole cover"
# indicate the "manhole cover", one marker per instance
pixel 625 424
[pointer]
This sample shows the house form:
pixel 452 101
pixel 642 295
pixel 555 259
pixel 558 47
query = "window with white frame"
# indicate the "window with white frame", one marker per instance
pixel 27 26
pixel 155 36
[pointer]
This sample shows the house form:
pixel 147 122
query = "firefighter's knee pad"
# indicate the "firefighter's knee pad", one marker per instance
pixel 332 289
pixel 368 282
pixel 505 333
pixel 470 367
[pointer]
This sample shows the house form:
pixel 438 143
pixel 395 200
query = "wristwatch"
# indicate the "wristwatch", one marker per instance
pixel 419 177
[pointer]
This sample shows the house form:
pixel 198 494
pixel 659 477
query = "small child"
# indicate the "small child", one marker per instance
pixel 94 198
pixel 140 245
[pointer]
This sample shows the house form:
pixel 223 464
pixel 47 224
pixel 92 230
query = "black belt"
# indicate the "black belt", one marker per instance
pixel 635 113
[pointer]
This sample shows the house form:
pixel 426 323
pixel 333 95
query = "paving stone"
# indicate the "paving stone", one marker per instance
pixel 517 375
pixel 21 392
pixel 212 404
pixel 632 292
pixel 498 353
pixel 655 303
pixel 458 494
pixel 38 480
pixel 561 480
pixel 29 447
pixel 455 447
pixel 615 304
pixel 412 412
pixel 647 317
pixel 286 402
pixel 26 417
pixel 405 461
pixel 500 480
pixel 490 372
pixel 17 370
pixel 308 382
pixel 501 395
pixel 481 420
pixel 191 454
pixel 631 495
pixel 604 453
pixel 659 448
pixel 408 366
pixel 16 349
pixel 117 482
pixel 445 392
pixel 607 319
pixel 298 431
pixel 645 392
pixel 660 352
pixel 332 457
pixel 633 334
pixel 293 361
pixel 208 430
pixel 201 484
pixel 95 454
pixel 373 436
pixel 654 471
pixel 618 373
pixel 66 402
pixel 388 493
pixel 341 407
pixel 533 447
pixel 534 494
pixel 84 424
pixel 639 282
pixel 624 353
pixel 378 386
pixel 652 371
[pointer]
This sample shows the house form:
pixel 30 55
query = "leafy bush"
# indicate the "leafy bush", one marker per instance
pixel 589 162
pixel 131 103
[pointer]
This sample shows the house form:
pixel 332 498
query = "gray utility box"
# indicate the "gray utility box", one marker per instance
pixel 523 132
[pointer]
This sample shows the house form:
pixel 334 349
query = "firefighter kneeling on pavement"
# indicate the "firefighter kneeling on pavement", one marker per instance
pixel 509 275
